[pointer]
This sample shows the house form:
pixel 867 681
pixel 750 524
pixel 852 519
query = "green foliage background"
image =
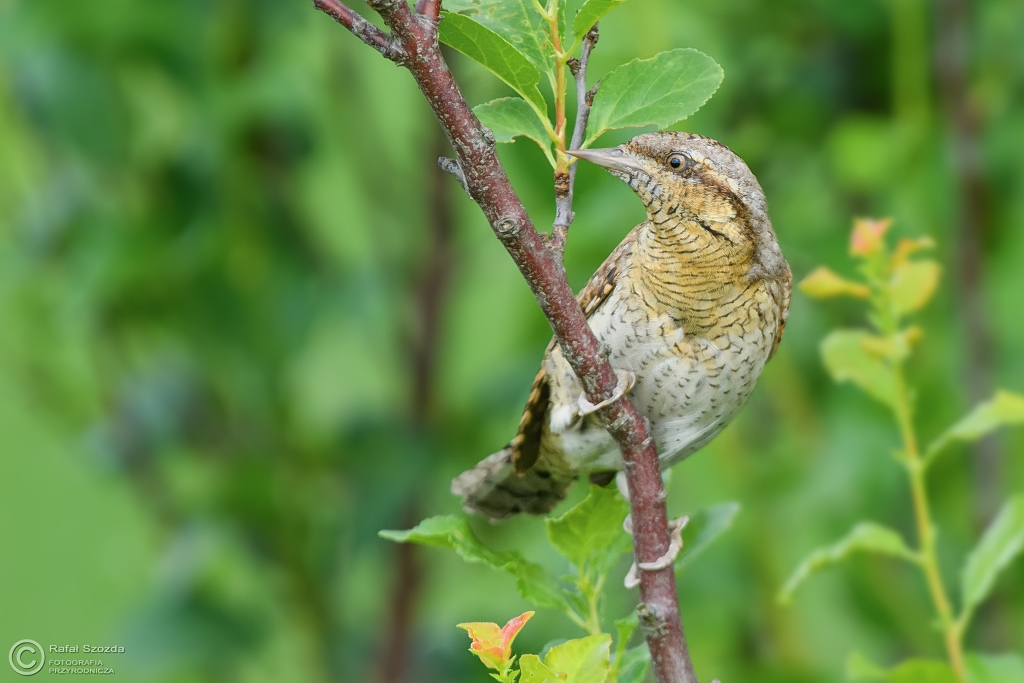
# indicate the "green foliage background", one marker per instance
pixel 213 216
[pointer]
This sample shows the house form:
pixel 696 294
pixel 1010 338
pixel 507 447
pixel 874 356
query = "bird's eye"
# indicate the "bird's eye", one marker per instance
pixel 677 161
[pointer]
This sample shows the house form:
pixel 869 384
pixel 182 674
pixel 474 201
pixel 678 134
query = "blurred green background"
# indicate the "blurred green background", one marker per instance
pixel 245 324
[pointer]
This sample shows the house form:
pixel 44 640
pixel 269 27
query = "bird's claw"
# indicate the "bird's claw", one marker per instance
pixel 625 384
pixel 676 526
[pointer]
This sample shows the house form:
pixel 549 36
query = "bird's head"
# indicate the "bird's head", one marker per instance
pixel 699 185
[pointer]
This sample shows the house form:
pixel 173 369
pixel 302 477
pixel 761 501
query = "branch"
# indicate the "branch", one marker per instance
pixel 564 215
pixel 972 197
pixel 430 291
pixel 489 186
pixel 361 28
pixel 429 8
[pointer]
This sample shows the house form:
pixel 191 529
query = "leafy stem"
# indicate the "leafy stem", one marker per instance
pixel 558 86
pixel 507 674
pixel 887 323
pixel 591 594
pixel 895 286
pixel 928 559
pixel 587 617
pixel 566 180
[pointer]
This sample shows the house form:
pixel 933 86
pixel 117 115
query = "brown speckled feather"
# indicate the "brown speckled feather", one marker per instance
pixel 782 297
pixel 603 281
pixel 526 444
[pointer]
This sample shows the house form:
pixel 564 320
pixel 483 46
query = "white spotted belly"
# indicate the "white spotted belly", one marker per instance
pixel 688 389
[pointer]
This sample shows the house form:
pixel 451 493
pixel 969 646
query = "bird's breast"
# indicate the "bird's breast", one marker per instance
pixel 690 381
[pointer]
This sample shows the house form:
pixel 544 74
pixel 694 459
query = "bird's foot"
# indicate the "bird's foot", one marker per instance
pixel 625 384
pixel 676 526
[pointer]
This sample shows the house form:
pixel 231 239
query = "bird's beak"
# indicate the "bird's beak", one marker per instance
pixel 613 158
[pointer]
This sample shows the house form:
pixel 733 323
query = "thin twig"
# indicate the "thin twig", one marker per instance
pixel 489 186
pixel 564 214
pixel 361 28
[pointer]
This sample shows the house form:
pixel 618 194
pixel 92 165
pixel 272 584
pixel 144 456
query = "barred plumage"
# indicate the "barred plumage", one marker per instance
pixel 693 303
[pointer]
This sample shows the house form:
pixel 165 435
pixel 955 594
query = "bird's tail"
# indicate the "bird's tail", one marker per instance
pixel 494 489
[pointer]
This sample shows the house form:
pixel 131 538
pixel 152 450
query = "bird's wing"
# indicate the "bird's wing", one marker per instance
pixel 526 444
pixel 603 281
pixel 785 288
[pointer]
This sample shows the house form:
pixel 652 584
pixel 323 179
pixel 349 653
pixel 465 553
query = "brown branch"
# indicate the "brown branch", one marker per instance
pixel 397 636
pixel 432 288
pixel 489 186
pixel 429 8
pixel 972 195
pixel 430 293
pixel 564 215
pixel 361 28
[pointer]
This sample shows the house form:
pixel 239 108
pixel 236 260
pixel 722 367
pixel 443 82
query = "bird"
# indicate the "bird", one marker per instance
pixel 688 308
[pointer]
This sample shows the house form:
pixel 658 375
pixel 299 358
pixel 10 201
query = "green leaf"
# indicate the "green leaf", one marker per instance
pixel 483 45
pixel 657 91
pixel 984 668
pixel 532 670
pixel 510 117
pixel 584 660
pixel 912 285
pixel 591 534
pixel 922 671
pixel 634 665
pixel 860 668
pixel 536 585
pixel 823 283
pixel 1005 408
pixel 1001 543
pixel 624 629
pixel 516 21
pixel 704 527
pixel 591 13
pixel 894 347
pixel 846 357
pixel 865 537
pixel 533 582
